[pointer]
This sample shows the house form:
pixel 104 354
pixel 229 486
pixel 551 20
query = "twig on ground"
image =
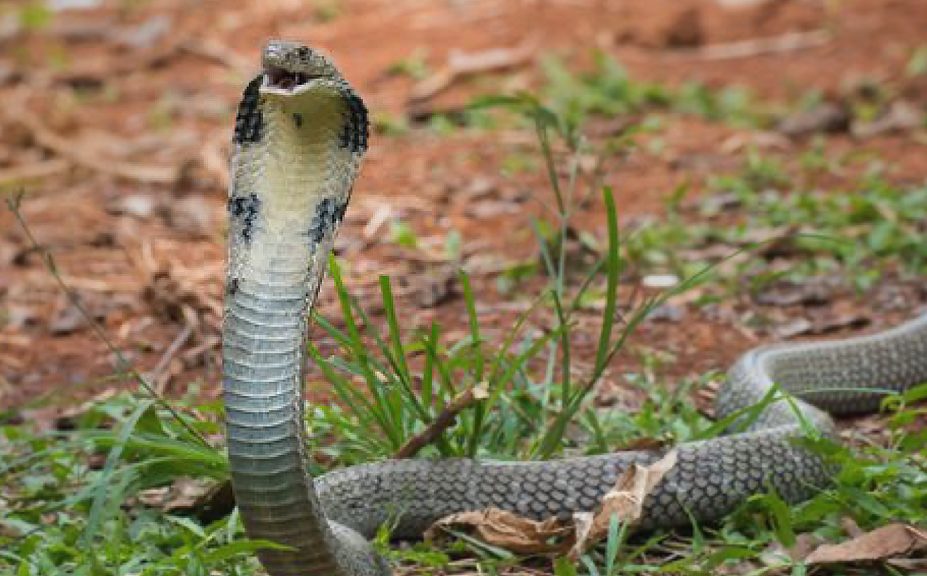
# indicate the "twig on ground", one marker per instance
pixel 13 203
pixel 78 154
pixel 18 175
pixel 462 64
pixel 790 42
pixel 445 419
pixel 218 52
pixel 161 373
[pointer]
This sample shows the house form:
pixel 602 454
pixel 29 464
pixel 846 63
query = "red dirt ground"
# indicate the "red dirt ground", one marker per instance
pixel 142 254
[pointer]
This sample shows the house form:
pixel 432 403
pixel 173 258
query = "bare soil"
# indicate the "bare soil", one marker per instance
pixel 131 86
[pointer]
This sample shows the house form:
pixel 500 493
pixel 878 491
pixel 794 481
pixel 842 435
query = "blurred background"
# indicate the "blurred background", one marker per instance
pixel 716 122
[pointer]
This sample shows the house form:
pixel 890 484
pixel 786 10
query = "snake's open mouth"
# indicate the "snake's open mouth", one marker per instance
pixel 282 79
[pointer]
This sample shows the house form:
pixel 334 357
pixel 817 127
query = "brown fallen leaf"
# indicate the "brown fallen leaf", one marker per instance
pixel 625 501
pixel 909 565
pixel 813 292
pixel 170 299
pixel 776 554
pixel 526 536
pixel 785 43
pixel 841 320
pixel 508 530
pixel 437 284
pixel 181 496
pixel 851 528
pixel 822 324
pixel 792 328
pixel 880 544
pixel 825 117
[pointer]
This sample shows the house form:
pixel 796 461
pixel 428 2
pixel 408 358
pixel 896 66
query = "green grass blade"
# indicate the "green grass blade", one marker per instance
pixel 101 491
pixel 612 273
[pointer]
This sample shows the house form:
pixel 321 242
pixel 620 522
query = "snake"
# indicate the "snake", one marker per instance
pixel 301 131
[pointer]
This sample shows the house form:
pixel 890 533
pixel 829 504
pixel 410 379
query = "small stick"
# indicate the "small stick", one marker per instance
pixel 160 374
pixel 790 42
pixel 219 53
pixel 35 171
pixel 445 420
pixel 462 64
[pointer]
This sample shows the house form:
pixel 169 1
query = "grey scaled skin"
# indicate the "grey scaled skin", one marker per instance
pixel 300 133
pixel 299 137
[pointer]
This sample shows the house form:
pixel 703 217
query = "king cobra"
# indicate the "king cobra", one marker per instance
pixel 300 134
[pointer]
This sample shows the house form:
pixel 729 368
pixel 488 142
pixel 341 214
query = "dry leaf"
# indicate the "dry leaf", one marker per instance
pixel 815 292
pixel 851 528
pixel 825 117
pixel 912 565
pixel 882 543
pixel 776 554
pixel 525 536
pixel 625 500
pixel 509 531
pixel 795 327
pixel 183 495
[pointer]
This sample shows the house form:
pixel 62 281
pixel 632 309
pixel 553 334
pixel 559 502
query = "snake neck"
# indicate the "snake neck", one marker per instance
pixel 295 161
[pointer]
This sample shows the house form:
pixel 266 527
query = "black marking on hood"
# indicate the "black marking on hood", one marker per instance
pixel 298 119
pixel 249 121
pixel 245 209
pixel 355 130
pixel 328 214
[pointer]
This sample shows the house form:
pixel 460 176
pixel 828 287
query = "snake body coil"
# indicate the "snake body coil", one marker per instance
pixel 300 133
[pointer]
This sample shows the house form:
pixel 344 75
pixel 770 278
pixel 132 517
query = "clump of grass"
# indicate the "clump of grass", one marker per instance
pixel 527 409
pixel 62 514
pixel 859 234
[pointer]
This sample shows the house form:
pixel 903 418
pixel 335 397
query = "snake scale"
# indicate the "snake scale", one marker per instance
pixel 300 133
